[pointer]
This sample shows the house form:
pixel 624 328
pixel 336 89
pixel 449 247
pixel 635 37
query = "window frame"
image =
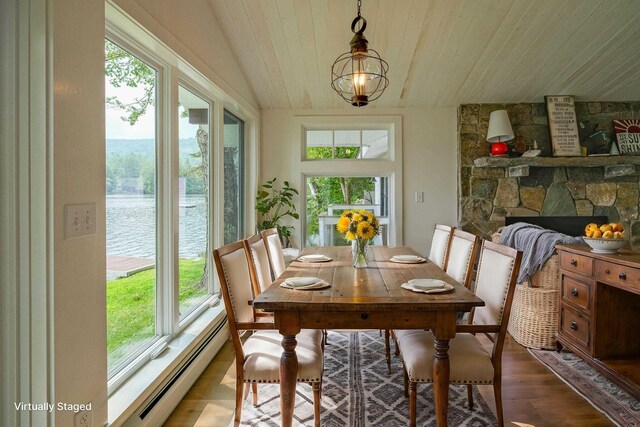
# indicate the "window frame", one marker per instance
pixel 174 71
pixel 390 167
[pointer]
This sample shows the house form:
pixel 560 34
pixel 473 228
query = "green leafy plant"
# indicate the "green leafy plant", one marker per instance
pixel 273 205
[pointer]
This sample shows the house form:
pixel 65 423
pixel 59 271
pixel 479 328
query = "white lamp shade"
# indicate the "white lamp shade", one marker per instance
pixel 499 127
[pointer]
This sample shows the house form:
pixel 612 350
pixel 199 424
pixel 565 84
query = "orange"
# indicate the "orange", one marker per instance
pixel 606 227
pixel 607 234
pixel 590 227
pixel 618 235
pixel 589 233
pixel 617 227
pixel 596 234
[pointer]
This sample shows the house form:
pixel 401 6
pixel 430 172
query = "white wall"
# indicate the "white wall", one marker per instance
pixel 429 159
pixel 80 362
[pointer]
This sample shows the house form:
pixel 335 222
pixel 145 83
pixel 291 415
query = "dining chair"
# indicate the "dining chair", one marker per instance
pixel 258 357
pixel 274 251
pixel 462 255
pixel 470 362
pixel 440 245
pixel 259 264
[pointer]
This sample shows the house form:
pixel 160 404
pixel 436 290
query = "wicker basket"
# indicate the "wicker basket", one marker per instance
pixel 534 313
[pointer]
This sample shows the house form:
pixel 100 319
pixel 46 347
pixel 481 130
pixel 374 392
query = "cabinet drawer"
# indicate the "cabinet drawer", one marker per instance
pixel 617 274
pixel 576 263
pixel 576 292
pixel 575 325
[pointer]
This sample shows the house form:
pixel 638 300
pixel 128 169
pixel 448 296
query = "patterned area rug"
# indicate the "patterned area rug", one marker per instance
pixel 358 391
pixel 604 395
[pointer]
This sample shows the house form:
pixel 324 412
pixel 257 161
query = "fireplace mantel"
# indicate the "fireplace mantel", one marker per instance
pixel 519 166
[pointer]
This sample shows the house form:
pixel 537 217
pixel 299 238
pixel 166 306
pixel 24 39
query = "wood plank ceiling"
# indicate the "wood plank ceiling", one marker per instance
pixel 440 52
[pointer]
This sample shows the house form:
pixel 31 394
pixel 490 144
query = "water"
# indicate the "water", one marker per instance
pixel 131 226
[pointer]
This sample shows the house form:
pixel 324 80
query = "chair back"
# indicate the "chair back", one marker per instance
pixel 274 251
pixel 235 281
pixel 259 265
pixel 497 273
pixel 462 256
pixel 440 245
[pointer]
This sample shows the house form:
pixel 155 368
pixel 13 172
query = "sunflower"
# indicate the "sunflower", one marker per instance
pixel 356 217
pixel 365 230
pixel 347 214
pixel 343 224
pixel 350 236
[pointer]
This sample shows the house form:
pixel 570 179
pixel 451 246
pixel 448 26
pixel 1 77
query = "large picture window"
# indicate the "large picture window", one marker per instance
pixel 233 178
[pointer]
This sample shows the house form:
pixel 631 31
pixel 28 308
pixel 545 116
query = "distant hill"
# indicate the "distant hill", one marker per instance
pixel 146 146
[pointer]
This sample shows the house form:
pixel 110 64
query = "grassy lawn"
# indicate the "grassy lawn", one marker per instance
pixel 131 306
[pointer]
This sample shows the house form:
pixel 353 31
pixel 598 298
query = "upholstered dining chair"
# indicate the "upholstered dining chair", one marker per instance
pixel 259 264
pixel 274 250
pixel 440 245
pixel 462 255
pixel 258 356
pixel 470 362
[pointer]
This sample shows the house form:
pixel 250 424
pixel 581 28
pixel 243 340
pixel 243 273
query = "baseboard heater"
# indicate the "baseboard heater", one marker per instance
pixel 165 388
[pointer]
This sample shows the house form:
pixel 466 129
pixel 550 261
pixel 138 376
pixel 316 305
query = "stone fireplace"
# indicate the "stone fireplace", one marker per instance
pixel 492 188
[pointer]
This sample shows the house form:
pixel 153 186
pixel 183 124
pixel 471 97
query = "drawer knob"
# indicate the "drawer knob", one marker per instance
pixel 574 326
pixel 364 315
pixel 622 276
pixel 574 262
pixel 607 271
pixel 574 292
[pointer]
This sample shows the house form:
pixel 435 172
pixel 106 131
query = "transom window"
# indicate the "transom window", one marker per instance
pixel 346 144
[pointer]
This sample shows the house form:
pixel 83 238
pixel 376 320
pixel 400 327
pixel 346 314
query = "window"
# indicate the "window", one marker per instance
pixel 350 162
pixel 233 178
pixel 193 208
pixel 131 204
pixel 346 144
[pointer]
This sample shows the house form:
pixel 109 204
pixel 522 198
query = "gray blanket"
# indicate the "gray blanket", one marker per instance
pixel 536 243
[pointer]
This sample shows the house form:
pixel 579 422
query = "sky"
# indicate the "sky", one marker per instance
pixel 144 128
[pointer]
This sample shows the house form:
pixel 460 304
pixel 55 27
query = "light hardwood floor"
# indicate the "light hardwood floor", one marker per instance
pixel 532 395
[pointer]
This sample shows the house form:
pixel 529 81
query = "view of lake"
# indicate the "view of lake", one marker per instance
pixel 131 221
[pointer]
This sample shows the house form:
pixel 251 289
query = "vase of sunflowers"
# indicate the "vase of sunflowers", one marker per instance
pixel 359 227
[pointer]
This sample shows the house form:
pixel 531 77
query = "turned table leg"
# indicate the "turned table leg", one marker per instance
pixel 288 379
pixel 441 381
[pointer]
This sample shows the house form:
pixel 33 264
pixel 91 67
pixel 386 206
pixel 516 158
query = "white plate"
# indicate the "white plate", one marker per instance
pixel 427 284
pixel 447 288
pixel 296 282
pixel 407 259
pixel 317 284
pixel 314 258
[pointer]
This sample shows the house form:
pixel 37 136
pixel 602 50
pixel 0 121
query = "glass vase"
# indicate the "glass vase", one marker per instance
pixel 360 253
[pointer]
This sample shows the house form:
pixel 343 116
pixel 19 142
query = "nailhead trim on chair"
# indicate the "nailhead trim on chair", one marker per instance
pixel 413 380
pixel 304 380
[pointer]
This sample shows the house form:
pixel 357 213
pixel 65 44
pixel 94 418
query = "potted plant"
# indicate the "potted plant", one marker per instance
pixel 273 205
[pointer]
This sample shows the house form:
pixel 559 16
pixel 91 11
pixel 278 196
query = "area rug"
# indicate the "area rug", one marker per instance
pixel 604 395
pixel 358 391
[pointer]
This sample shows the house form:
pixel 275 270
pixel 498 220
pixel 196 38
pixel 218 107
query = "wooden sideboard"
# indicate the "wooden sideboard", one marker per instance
pixel 600 311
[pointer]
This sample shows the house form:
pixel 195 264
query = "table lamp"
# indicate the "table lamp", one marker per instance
pixel 499 131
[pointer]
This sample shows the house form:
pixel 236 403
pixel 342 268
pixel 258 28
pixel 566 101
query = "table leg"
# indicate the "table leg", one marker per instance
pixel 288 379
pixel 441 381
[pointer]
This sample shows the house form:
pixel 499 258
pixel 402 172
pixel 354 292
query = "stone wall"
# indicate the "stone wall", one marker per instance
pixel 487 194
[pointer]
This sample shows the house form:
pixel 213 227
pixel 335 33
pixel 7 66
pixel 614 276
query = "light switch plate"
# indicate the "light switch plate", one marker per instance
pixel 419 196
pixel 80 220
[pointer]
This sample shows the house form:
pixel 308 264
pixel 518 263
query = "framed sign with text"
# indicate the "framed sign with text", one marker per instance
pixel 627 135
pixel 563 125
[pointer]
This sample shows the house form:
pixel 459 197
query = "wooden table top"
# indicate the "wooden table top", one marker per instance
pixel 374 288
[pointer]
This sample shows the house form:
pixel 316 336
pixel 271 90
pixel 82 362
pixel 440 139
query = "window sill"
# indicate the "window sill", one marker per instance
pixel 139 387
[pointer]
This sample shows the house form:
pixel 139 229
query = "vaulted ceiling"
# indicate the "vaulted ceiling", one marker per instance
pixel 440 52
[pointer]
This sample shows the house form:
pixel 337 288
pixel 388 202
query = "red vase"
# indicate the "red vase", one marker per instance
pixel 499 149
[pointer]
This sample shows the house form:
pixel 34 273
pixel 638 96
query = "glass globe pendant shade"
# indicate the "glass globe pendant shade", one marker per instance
pixel 359 76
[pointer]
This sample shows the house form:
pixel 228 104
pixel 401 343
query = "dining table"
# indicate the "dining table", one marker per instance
pixel 364 298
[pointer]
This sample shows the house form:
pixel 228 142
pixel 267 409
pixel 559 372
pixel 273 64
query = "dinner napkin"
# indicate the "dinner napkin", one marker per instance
pixel 429 289
pixel 304 282
pixel 427 284
pixel 314 258
pixel 407 259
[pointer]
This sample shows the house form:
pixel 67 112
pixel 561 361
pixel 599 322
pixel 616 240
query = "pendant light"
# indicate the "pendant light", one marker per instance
pixel 360 75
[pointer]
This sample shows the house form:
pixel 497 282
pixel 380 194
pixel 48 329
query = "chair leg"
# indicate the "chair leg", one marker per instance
pixel 254 392
pixel 395 340
pixel 245 394
pixel 387 349
pixel 239 399
pixel 405 377
pixel 412 403
pixel 470 395
pixel 497 393
pixel 317 396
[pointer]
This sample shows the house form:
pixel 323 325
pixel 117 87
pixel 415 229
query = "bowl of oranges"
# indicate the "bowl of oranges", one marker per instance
pixel 605 238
